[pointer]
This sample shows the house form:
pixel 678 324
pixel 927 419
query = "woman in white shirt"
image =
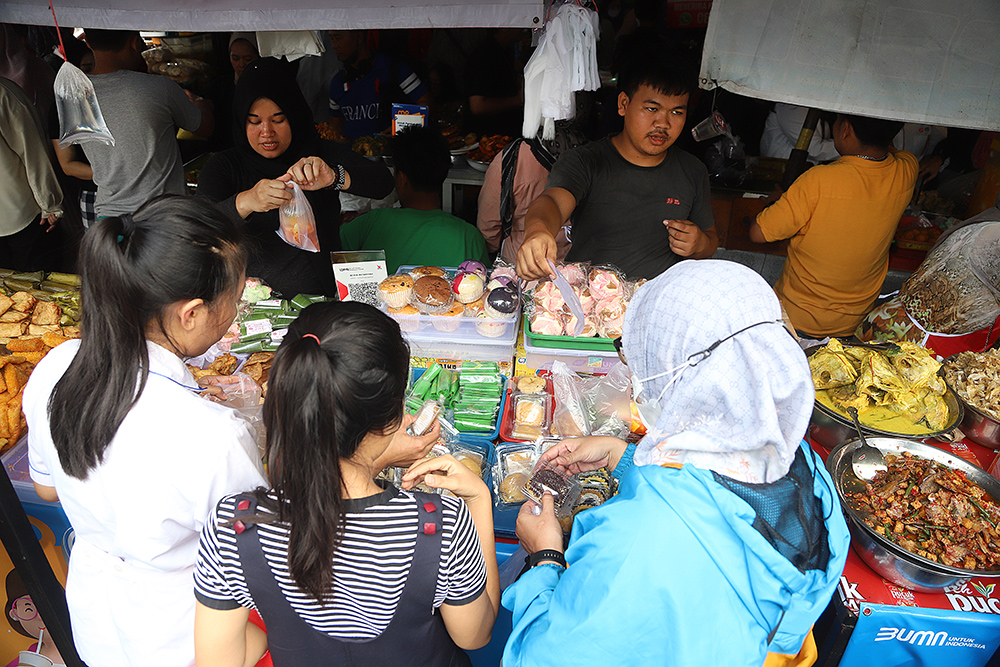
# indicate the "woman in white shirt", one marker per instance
pixel 119 434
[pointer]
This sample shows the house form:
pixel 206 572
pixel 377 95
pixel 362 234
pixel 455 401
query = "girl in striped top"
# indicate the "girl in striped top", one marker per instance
pixel 344 570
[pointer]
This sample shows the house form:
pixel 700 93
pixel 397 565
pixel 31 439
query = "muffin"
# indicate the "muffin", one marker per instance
pixel 422 271
pixel 450 319
pixel 432 294
pixel 473 309
pixel 491 327
pixel 396 290
pixel 467 287
pixel 410 320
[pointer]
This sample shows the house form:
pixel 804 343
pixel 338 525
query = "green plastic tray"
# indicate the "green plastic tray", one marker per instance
pixel 567 342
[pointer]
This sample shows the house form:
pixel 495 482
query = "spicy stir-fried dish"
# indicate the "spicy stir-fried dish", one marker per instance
pixel 933 511
pixel 898 391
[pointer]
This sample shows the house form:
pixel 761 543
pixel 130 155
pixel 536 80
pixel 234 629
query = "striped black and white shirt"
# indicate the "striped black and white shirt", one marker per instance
pixel 370 565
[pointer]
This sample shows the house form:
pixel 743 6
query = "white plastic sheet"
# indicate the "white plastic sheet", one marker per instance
pixel 923 61
pixel 226 15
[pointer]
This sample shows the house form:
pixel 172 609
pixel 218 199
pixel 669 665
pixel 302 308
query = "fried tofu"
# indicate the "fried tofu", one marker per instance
pixel 5 303
pixel 46 313
pixel 23 302
pixel 13 329
pixel 14 316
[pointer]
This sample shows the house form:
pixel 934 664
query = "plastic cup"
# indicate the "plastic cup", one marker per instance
pixel 32 659
pixel 709 128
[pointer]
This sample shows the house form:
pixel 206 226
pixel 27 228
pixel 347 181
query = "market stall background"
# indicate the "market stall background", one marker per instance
pixel 219 15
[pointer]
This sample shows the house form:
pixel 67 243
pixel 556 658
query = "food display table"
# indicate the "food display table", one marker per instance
pixel 871 621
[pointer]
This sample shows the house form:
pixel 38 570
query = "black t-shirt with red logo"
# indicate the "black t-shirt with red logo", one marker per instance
pixel 620 207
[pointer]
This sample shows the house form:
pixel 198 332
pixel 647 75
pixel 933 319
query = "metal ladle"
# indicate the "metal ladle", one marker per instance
pixel 867 461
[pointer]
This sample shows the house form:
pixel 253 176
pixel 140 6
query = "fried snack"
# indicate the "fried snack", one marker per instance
pixel 260 357
pixel 14 417
pixel 4 424
pixel 33 358
pixel 6 359
pixel 40 329
pixel 71 332
pixel 46 312
pixel 5 303
pixel 54 338
pixel 23 302
pixel 10 378
pixel 13 329
pixel 224 365
pixel 255 371
pixel 13 316
pixel 26 345
pixel 198 373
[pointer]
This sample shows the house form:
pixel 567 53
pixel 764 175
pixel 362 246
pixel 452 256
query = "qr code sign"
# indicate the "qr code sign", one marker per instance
pixel 364 292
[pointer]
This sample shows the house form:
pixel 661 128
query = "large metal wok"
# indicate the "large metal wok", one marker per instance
pixel 888 559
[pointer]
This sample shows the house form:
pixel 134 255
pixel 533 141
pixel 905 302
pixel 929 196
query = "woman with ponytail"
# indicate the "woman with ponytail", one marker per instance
pixel 119 433
pixel 342 568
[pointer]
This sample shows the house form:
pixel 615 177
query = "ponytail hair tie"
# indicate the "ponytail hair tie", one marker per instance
pixel 314 337
pixel 128 224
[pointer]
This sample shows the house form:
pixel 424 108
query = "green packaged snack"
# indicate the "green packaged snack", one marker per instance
pixel 463 423
pixel 481 366
pixel 303 300
pixel 422 386
pixel 264 335
pixel 284 320
pixel 268 305
pixel 249 346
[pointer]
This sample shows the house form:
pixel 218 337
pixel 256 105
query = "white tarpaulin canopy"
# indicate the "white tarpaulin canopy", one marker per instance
pixel 226 15
pixel 928 61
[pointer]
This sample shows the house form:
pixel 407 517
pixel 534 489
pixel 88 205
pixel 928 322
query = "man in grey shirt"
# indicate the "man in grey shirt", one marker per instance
pixel 143 112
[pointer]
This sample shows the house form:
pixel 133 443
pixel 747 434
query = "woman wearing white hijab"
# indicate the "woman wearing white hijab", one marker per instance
pixel 726 541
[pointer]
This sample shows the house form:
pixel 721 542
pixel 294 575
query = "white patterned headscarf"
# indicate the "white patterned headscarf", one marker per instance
pixel 743 409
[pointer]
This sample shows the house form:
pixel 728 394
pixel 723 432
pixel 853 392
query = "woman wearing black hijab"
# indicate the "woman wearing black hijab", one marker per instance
pixel 276 142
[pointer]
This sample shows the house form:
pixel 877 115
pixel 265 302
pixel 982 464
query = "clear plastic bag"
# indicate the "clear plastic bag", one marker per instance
pixel 297 224
pixel 80 118
pixel 955 290
pixel 592 406
pixel 244 396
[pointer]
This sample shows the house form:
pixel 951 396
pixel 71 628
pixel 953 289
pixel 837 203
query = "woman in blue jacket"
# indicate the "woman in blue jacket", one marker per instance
pixel 726 540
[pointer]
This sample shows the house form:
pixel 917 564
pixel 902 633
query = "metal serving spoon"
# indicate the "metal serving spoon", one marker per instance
pixel 867 461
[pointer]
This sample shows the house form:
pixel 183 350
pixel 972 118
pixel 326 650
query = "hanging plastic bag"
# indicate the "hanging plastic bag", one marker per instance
pixel 297 222
pixel 80 118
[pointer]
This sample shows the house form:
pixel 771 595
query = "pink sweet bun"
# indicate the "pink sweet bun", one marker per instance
pixel 546 324
pixel 574 274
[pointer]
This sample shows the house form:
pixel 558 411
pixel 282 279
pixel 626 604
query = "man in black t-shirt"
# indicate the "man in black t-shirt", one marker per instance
pixel 635 202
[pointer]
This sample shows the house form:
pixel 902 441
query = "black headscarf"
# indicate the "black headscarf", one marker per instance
pixel 273 79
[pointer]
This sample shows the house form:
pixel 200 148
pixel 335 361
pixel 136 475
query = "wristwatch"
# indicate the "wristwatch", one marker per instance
pixel 338 183
pixel 545 554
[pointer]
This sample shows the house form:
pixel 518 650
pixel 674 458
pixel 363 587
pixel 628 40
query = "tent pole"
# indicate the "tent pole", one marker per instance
pixel 797 159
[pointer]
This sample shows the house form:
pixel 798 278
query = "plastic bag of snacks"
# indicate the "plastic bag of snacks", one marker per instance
pixel 297 224
pixel 593 406
pixel 80 118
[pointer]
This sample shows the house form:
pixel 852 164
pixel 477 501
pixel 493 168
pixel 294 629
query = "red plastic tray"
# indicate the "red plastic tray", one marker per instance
pixel 507 419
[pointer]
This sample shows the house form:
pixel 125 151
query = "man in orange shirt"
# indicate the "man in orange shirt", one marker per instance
pixel 841 218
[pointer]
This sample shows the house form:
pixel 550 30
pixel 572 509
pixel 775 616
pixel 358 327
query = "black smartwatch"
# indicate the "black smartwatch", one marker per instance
pixel 545 554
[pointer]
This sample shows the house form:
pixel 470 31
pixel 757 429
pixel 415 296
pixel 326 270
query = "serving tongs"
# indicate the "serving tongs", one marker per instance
pixel 879 347
pixel 866 461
